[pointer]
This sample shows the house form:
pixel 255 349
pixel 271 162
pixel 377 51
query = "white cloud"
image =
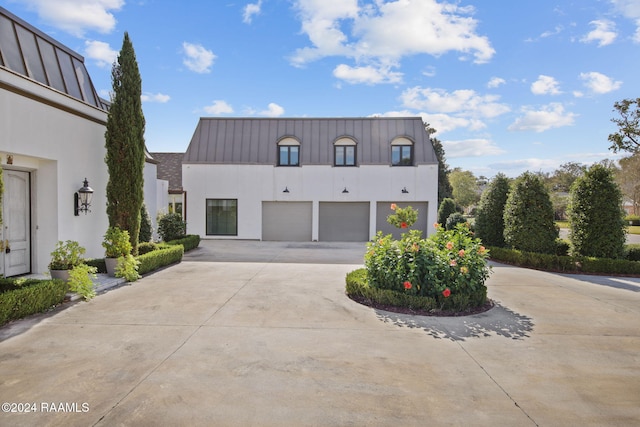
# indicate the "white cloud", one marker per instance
pixel 630 9
pixel 545 85
pixel 250 10
pixel 101 52
pixel 197 58
pixel 384 32
pixel 548 117
pixel 367 74
pixel 495 82
pixel 514 168
pixel 463 101
pixel 599 83
pixel 604 33
pixel 218 107
pixel 78 16
pixel 471 148
pixel 273 110
pixel 160 98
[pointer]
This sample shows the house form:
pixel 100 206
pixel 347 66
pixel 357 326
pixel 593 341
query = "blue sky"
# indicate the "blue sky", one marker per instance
pixel 509 85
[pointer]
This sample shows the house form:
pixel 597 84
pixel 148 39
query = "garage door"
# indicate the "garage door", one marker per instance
pixel 343 222
pixel 286 221
pixel 383 210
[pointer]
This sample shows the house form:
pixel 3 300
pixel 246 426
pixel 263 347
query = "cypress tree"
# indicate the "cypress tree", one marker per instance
pixel 489 223
pixel 447 207
pixel 125 145
pixel 528 216
pixel 596 217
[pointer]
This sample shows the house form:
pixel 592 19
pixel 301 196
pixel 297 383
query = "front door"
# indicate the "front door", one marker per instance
pixel 15 258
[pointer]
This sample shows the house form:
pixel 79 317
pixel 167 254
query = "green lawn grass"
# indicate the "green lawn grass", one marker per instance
pixel 632 229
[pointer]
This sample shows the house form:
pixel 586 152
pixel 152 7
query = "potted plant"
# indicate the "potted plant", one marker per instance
pixel 117 245
pixel 65 257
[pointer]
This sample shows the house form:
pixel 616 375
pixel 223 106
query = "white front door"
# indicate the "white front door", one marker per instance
pixel 16 224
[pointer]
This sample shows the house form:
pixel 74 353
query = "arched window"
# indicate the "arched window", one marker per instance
pixel 402 152
pixel 344 150
pixel 288 152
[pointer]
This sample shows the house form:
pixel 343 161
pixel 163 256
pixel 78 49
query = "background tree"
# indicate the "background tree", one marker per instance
pixel 628 179
pixel 595 215
pixel 446 208
pixel 489 225
pixel 563 177
pixel 146 230
pixel 628 136
pixel 444 186
pixel 125 145
pixel 465 187
pixel 528 216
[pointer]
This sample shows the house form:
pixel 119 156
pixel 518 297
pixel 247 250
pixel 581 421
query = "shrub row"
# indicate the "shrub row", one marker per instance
pixel 565 264
pixel 159 258
pixel 190 241
pixel 358 288
pixel 28 297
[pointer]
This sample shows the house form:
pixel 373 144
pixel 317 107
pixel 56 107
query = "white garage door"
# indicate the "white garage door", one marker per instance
pixel 286 221
pixel 383 209
pixel 343 222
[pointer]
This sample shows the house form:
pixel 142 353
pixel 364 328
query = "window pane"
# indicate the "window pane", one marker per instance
pixel 339 156
pixel 406 155
pixel 284 155
pixel 351 155
pixel 395 155
pixel 222 217
pixel 293 156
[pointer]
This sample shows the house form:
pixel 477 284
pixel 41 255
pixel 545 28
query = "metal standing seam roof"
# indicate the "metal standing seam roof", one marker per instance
pixel 254 140
pixel 28 51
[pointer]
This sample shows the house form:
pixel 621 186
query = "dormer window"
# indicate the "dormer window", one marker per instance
pixel 288 152
pixel 344 152
pixel 402 152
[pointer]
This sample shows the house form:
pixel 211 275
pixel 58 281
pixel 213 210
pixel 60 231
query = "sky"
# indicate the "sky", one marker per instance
pixel 510 86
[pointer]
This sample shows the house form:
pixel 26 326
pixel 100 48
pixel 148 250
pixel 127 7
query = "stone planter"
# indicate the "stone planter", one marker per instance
pixel 111 264
pixel 60 274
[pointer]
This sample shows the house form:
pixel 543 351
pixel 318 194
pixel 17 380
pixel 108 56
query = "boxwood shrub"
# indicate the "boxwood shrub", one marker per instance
pixel 20 298
pixel 159 258
pixel 190 241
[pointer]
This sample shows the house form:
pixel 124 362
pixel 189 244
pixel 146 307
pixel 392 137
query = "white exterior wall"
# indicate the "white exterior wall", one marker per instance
pixel 60 149
pixel 253 184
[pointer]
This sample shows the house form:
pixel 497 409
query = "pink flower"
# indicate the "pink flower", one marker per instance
pixel 393 206
pixel 453 263
pixel 403 225
pixel 407 285
pixel 449 245
pixel 461 253
pixel 446 293
pixel 436 225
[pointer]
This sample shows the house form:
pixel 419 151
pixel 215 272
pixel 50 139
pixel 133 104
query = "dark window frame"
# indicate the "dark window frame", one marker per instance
pixel 206 218
pixel 343 148
pixel 288 148
pixel 402 148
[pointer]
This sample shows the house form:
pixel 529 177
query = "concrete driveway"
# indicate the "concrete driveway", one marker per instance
pixel 250 333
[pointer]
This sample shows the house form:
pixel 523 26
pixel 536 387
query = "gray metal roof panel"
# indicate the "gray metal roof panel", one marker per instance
pixel 254 140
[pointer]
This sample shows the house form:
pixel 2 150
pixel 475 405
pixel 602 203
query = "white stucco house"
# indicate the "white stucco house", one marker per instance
pixel 52 137
pixel 307 179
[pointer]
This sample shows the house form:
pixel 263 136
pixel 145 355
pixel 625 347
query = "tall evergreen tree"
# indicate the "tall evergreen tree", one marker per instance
pixel 444 186
pixel 596 215
pixel 528 216
pixel 125 145
pixel 490 218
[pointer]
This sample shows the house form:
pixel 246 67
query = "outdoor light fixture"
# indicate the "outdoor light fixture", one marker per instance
pixel 82 199
pixel 286 190
pixel 405 191
pixel 345 191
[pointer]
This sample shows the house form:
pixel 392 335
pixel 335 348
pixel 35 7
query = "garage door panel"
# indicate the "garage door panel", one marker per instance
pixel 343 222
pixel 286 221
pixel 383 209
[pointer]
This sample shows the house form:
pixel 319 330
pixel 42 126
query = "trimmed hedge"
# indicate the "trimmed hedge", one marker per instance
pixel 358 288
pixel 154 260
pixel 565 264
pixel 29 297
pixel 98 263
pixel 190 241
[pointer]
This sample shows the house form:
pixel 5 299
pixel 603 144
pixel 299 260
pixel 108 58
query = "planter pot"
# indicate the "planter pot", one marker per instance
pixel 111 264
pixel 60 274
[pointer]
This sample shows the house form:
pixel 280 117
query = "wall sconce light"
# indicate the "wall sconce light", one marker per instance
pixel 405 191
pixel 286 190
pixel 82 199
pixel 345 191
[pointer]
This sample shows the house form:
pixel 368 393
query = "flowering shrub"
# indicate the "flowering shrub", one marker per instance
pixel 448 264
